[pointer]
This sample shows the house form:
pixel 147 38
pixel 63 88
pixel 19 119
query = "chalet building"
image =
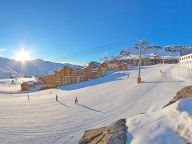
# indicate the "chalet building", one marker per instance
pixel 103 68
pixel 41 80
pixel 92 70
pixel 25 86
pixel 145 61
pixel 169 60
pixel 50 80
pixel 155 59
pixel 117 65
pixel 68 75
pixel 112 66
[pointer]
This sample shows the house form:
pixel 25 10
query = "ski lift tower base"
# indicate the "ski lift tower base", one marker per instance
pixel 138 80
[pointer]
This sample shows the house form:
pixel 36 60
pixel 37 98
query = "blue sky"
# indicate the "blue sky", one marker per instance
pixel 51 29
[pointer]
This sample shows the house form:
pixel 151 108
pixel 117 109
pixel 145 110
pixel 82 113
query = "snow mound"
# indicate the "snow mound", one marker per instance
pixel 166 126
pixel 181 73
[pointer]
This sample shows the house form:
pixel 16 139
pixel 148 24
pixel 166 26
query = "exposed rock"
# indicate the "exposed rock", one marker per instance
pixel 186 92
pixel 113 134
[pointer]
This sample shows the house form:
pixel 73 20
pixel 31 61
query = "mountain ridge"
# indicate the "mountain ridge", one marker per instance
pixel 38 67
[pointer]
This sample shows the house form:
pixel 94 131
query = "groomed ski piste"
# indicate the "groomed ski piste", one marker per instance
pixel 102 101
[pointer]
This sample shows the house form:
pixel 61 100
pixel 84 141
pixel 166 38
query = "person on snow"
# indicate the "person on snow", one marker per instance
pixel 28 96
pixel 76 100
pixel 56 98
pixel 127 75
pixel 161 71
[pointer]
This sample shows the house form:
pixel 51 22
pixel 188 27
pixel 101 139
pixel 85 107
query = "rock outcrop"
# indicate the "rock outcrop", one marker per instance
pixel 113 134
pixel 186 92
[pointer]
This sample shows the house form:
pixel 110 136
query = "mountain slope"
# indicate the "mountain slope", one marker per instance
pixel 37 67
pixel 131 53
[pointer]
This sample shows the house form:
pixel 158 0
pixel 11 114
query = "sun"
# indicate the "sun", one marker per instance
pixel 23 55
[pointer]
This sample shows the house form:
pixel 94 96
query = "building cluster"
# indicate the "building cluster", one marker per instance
pixel 76 74
pixel 152 59
pixel 25 86
pixel 69 75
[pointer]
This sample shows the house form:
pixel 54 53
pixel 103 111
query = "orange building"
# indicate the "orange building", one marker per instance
pixel 92 70
pixel 25 86
pixel 117 65
pixel 103 68
pixel 50 80
pixel 66 76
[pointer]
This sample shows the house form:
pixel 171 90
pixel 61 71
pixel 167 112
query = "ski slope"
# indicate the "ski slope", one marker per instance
pixel 101 101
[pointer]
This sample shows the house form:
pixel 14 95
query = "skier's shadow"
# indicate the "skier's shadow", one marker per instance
pixel 63 104
pixel 90 108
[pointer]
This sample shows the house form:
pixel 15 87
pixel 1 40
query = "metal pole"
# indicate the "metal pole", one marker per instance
pixel 139 73
pixel 139 66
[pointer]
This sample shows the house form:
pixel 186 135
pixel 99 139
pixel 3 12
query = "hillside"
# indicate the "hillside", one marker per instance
pixel 37 67
pixel 101 102
pixel 131 53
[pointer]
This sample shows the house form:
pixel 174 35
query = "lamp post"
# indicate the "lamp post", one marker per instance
pixel 139 66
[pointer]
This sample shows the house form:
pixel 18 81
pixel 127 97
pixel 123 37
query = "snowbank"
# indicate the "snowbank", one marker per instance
pixel 13 85
pixel 181 73
pixel 166 126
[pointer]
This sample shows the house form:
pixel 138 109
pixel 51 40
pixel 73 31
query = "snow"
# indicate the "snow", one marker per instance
pixel 13 85
pixel 165 126
pixel 181 73
pixel 9 68
pixel 101 102
pixel 132 53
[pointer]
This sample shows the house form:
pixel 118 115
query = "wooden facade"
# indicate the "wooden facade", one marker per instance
pixel 25 86
pixel 117 65
pixel 69 75
pixel 50 80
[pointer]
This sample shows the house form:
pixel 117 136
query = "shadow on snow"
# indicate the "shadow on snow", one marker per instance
pixel 63 104
pixel 90 108
pixel 161 81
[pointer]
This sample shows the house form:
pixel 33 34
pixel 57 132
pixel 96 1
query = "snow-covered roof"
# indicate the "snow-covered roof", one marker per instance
pixel 94 66
pixel 170 57
pixel 29 82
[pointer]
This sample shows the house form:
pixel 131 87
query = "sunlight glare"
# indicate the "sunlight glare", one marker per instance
pixel 23 55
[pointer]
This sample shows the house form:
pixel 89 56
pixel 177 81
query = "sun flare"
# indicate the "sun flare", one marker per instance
pixel 23 55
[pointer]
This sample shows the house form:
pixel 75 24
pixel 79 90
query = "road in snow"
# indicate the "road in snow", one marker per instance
pixel 101 101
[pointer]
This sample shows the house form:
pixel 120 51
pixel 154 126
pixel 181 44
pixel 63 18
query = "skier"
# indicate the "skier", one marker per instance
pixel 50 92
pixel 161 71
pixel 127 75
pixel 76 100
pixel 56 97
pixel 28 96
